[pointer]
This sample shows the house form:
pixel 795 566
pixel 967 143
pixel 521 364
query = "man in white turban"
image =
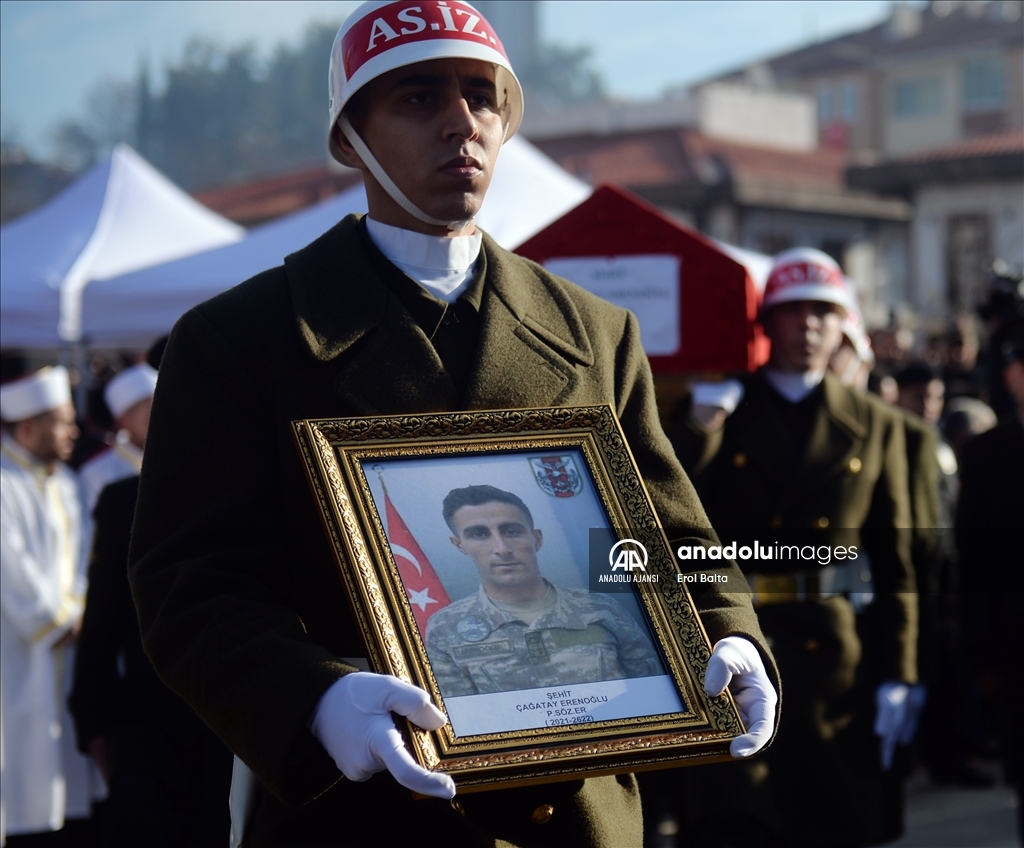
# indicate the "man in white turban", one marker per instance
pixel 46 781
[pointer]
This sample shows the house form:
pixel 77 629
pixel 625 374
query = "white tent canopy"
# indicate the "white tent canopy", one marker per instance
pixel 121 216
pixel 527 193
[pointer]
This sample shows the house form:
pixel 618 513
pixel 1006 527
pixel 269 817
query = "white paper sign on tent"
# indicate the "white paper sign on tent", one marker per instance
pixel 647 285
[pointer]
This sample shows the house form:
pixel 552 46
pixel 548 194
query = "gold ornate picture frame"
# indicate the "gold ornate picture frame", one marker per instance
pixel 437 521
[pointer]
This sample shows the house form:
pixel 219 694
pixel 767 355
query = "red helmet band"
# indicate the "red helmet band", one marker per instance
pixel 407 23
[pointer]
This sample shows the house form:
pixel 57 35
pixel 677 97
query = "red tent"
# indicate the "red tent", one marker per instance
pixel 706 325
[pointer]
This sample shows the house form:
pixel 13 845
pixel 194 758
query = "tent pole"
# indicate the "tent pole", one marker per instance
pixel 78 354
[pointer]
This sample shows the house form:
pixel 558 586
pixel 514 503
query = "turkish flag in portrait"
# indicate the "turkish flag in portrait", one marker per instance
pixel 422 585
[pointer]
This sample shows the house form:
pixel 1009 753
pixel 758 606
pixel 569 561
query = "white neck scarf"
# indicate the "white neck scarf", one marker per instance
pixel 793 387
pixel 443 266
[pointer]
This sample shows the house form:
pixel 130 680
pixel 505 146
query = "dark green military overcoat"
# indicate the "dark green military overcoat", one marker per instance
pixel 241 606
pixel 844 480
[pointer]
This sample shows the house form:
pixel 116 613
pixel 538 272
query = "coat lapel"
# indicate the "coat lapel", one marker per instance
pixel 764 441
pixel 389 365
pixel 531 338
pixel 836 436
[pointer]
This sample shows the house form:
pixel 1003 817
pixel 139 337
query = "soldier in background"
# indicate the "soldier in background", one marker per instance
pixel 519 631
pixel 805 455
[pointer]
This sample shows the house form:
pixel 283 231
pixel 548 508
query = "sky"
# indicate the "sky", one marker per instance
pixel 53 53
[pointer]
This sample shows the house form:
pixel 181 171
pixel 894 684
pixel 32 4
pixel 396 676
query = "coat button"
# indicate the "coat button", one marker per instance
pixel 457 806
pixel 776 521
pixel 811 645
pixel 822 522
pixel 739 460
pixel 543 814
pixel 856 465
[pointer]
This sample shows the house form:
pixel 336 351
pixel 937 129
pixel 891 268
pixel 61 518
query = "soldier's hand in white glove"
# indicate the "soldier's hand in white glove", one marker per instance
pixel 890 717
pixel 736 663
pixel 712 403
pixel 353 722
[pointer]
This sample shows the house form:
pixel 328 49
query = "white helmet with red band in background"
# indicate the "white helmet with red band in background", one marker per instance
pixel 853 325
pixel 381 36
pixel 803 273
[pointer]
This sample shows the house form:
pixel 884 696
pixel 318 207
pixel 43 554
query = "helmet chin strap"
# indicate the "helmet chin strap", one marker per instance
pixel 388 184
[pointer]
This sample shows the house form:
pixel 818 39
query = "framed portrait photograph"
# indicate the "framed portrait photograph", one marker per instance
pixel 511 564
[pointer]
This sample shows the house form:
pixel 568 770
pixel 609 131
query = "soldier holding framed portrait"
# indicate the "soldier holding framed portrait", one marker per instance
pixel 408 310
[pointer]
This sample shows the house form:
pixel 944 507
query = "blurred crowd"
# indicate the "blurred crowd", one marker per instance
pixel 109 753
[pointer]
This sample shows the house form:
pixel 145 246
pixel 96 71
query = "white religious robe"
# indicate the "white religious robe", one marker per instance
pixel 42 593
pixel 120 460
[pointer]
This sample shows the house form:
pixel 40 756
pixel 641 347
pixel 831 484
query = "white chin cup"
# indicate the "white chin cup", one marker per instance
pixel 388 184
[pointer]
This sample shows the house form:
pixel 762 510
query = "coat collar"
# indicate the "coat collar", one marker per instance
pixel 342 306
pixel 531 337
pixel 332 313
pixel 836 434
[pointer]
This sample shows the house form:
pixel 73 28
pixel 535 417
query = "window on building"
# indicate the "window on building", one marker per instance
pixel 984 84
pixel 825 111
pixel 772 242
pixel 850 101
pixel 834 248
pixel 916 98
pixel 968 258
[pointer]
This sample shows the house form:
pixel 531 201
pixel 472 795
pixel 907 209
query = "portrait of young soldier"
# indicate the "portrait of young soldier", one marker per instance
pixel 408 309
pixel 519 631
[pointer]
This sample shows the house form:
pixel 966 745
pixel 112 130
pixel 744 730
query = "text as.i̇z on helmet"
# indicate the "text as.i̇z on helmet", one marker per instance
pixel 407 23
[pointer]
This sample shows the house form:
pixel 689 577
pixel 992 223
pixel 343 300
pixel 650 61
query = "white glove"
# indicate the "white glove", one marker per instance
pixel 353 722
pixel 736 663
pixel 890 718
pixel 725 395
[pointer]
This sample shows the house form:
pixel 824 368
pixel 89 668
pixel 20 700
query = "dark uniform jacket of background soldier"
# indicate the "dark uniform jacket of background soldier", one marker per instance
pixel 168 774
pixel 835 460
pixel 241 605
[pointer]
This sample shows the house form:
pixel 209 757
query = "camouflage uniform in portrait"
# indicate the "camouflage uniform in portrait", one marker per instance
pixel 476 647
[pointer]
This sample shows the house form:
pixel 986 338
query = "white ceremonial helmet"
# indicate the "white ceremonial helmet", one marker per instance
pixel 803 273
pixel 381 36
pixel 853 325
pixel 42 391
pixel 129 387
